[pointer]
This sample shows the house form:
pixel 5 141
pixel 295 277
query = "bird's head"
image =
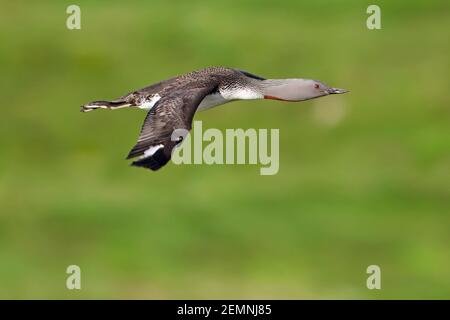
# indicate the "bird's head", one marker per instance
pixel 296 89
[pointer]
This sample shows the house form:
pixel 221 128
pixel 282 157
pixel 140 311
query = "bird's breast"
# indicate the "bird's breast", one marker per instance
pixel 211 101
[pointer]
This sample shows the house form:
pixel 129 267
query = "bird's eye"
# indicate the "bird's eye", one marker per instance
pixel 316 86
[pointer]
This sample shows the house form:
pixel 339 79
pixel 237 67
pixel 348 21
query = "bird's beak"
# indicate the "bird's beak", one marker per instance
pixel 336 91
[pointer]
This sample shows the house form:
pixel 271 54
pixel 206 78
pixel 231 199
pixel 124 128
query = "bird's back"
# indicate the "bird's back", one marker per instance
pixel 192 80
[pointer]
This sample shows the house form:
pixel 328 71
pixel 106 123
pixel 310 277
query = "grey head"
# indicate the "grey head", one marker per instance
pixel 296 89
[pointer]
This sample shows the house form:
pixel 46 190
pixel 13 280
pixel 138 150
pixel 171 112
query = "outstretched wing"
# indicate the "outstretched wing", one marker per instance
pixel 172 112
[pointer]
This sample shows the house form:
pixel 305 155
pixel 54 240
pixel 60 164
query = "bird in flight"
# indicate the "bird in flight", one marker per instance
pixel 172 103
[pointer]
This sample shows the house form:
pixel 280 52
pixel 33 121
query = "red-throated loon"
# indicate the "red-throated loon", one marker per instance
pixel 172 104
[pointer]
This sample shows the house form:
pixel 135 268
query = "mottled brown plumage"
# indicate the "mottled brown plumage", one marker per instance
pixel 174 111
pixel 180 97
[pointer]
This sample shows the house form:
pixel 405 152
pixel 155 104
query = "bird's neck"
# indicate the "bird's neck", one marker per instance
pixel 276 89
pixel 279 89
pixel 250 92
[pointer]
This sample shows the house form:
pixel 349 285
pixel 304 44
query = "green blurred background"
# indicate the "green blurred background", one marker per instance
pixel 364 177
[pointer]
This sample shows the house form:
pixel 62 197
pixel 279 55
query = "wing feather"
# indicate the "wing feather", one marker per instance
pixel 174 111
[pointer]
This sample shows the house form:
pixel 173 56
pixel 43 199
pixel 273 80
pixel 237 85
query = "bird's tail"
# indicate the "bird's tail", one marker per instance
pixel 117 104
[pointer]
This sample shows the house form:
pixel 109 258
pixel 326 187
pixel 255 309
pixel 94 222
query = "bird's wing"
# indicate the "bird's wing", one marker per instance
pixel 172 112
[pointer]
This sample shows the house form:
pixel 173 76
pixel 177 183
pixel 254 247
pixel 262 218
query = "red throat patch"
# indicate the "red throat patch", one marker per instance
pixel 274 98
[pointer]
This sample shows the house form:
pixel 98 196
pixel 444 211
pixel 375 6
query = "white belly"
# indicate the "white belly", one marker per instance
pixel 148 104
pixel 211 101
